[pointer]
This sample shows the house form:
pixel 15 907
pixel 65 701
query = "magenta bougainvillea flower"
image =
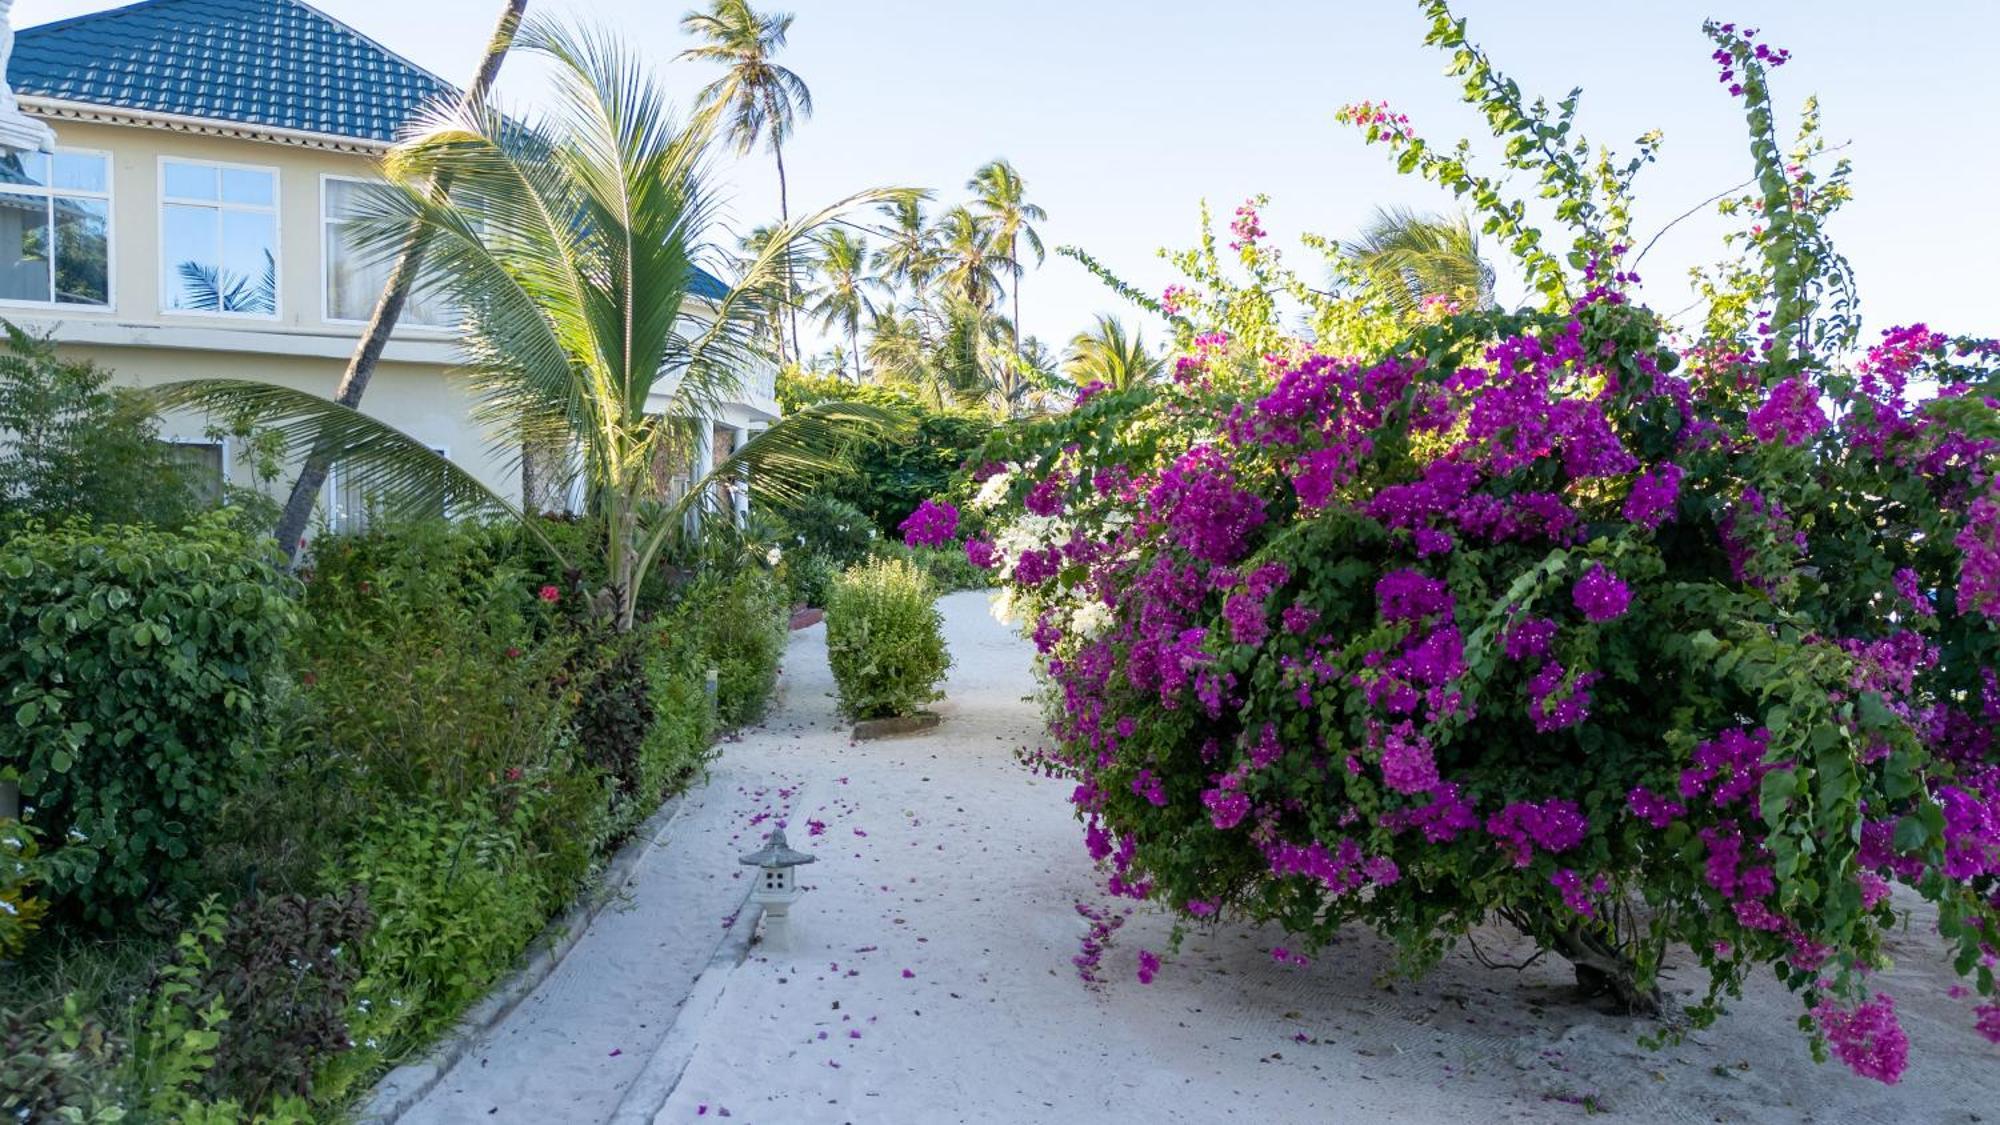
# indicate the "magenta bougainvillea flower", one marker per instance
pixel 933 524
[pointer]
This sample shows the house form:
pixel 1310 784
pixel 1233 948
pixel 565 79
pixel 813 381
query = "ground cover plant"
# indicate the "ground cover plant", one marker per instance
pixel 1443 614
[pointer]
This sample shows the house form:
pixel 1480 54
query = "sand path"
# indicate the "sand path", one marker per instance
pixel 928 977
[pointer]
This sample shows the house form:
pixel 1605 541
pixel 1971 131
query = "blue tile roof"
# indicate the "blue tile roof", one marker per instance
pixel 277 63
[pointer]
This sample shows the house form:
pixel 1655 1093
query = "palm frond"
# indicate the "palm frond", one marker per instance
pixel 408 478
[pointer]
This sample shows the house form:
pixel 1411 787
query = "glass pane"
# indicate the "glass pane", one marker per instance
pixel 82 171
pixel 350 504
pixel 24 168
pixel 24 247
pixel 82 276
pixel 249 261
pixel 189 181
pixel 340 197
pixel 350 289
pixel 202 462
pixel 187 258
pixel 354 284
pixel 241 185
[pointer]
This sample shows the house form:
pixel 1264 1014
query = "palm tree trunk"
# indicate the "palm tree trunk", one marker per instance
pixel 1017 308
pixel 785 215
pixel 854 346
pixel 388 308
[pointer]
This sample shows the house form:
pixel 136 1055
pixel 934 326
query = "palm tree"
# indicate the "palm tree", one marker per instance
pixel 1001 198
pixel 909 253
pixel 1105 354
pixel 761 98
pixel 845 287
pixel 1020 380
pixel 388 307
pixel 1411 257
pixel 968 265
pixel 572 249
pixel 897 348
pixel 772 299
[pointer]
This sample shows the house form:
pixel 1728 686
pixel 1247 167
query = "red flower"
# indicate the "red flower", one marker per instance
pixel 513 652
pixel 513 773
pixel 549 594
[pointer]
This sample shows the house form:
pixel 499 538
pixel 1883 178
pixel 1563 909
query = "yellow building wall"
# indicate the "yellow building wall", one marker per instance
pixel 299 347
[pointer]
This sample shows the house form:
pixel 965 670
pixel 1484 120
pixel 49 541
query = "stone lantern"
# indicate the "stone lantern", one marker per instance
pixel 777 885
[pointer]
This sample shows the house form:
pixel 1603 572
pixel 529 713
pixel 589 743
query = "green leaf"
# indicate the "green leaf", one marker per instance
pixel 1910 835
pixel 1775 794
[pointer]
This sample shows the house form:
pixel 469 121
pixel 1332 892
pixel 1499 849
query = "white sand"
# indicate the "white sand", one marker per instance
pixel 968 878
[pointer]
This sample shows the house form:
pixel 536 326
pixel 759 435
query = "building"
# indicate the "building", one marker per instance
pixel 185 219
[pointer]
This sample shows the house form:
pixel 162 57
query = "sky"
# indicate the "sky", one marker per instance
pixel 1124 116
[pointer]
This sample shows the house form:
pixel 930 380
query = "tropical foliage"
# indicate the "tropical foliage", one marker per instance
pixel 573 248
pixel 1453 615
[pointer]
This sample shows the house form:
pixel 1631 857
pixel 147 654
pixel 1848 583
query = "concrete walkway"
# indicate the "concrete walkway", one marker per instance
pixel 929 977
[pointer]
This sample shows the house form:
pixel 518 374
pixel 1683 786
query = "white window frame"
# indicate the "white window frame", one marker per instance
pixel 275 210
pixel 50 191
pixel 326 266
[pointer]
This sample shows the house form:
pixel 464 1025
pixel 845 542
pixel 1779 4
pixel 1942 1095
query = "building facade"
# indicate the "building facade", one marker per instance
pixel 185 219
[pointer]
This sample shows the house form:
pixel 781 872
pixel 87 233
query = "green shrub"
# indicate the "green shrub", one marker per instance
pixel 283 970
pixel 948 567
pixel 58 1068
pixel 809 578
pixel 682 737
pixel 456 899
pixel 77 447
pixel 139 668
pixel 423 679
pixel 885 639
pixel 741 620
pixel 890 477
pixel 20 910
pixel 832 528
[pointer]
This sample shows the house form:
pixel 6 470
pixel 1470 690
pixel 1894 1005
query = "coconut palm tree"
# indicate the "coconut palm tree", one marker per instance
pixel 762 98
pixel 846 288
pixel 572 248
pixel 968 265
pixel 1105 354
pixel 909 252
pixel 1411 257
pixel 897 348
pixel 772 299
pixel 1000 199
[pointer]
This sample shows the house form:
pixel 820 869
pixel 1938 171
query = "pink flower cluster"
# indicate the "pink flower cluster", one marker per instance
pixel 1869 1038
pixel 1554 825
pixel 1602 595
pixel 933 524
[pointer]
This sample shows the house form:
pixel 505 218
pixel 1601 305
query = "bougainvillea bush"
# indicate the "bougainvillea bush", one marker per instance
pixel 1647 644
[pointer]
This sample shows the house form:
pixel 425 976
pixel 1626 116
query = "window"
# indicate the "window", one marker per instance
pixel 351 507
pixel 353 280
pixel 218 239
pixel 205 464
pixel 55 228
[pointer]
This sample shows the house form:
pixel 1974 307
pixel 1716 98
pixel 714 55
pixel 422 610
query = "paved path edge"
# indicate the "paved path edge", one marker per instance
pixel 648 1093
pixel 406 1085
